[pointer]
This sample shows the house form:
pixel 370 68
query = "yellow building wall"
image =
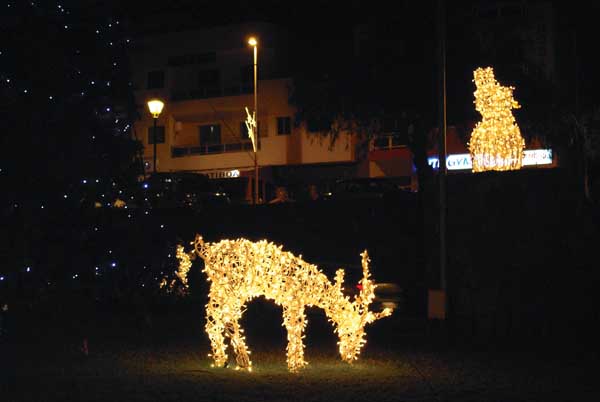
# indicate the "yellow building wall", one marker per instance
pixel 182 118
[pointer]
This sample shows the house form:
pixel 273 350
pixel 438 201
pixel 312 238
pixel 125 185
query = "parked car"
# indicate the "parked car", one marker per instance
pixel 370 188
pixel 387 294
pixel 182 190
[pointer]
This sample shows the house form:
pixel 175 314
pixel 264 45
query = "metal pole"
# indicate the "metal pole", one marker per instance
pixel 154 140
pixel 256 200
pixel 442 148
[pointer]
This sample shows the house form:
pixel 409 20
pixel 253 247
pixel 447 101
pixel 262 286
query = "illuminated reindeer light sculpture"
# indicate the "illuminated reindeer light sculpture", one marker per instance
pixel 240 270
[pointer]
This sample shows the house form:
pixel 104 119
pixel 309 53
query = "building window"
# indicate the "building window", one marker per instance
pixel 284 125
pixel 156 79
pixel 247 78
pixel 209 83
pixel 160 135
pixel 199 58
pixel 318 124
pixel 210 134
pixel 244 130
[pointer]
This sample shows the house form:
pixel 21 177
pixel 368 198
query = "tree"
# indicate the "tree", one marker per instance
pixel 66 108
pixel 376 66
pixel 66 101
pixel 370 69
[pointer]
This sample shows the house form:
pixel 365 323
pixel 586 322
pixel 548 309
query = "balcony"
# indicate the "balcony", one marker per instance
pixel 389 147
pixel 180 152
pixel 212 92
pixel 388 142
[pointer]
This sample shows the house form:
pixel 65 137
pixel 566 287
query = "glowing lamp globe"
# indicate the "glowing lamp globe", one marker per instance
pixel 155 106
pixel 252 41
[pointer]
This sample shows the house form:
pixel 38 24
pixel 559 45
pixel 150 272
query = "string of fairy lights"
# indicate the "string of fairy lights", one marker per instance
pixel 128 212
pixel 241 270
pixel 107 34
pixel 92 59
pixel 496 142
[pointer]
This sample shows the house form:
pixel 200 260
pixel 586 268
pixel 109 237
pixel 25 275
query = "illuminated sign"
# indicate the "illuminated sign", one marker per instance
pixel 531 157
pixel 537 157
pixel 224 174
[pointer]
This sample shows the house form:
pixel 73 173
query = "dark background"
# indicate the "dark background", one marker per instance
pixel 521 244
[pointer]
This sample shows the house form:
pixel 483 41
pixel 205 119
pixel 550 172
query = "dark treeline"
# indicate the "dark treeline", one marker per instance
pixel 521 258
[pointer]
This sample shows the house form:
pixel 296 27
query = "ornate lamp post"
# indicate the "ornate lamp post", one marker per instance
pixel 155 106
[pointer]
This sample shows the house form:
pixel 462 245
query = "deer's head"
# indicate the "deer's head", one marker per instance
pixel 350 318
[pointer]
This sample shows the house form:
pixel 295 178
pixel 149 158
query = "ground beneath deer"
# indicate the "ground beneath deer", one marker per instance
pixel 172 365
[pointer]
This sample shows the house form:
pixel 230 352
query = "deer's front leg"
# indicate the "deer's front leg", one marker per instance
pixel 294 320
pixel 215 327
pixel 238 341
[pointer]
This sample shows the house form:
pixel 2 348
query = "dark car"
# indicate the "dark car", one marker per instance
pixel 382 188
pixel 387 294
pixel 182 190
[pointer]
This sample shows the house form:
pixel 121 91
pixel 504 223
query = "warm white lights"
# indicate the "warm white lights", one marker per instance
pixel 155 106
pixel 252 41
pixel 240 270
pixel 251 126
pixel 496 142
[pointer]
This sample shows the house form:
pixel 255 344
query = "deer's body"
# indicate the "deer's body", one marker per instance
pixel 240 270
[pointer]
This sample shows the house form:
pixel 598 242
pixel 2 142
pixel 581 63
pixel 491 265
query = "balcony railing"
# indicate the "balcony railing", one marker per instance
pixel 388 141
pixel 212 92
pixel 180 152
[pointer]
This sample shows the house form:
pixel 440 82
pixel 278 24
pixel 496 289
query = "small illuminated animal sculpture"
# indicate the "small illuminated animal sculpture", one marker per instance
pixel 496 142
pixel 240 270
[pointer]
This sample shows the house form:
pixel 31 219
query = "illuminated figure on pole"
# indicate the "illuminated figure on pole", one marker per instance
pixel 251 127
pixel 496 142
pixel 241 270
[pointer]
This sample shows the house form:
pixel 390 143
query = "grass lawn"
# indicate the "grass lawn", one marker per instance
pixel 171 364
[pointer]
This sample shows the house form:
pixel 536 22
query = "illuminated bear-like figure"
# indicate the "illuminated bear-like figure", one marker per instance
pixel 240 270
pixel 496 142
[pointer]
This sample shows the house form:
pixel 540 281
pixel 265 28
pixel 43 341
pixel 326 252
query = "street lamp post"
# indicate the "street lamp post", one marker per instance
pixel 254 43
pixel 156 107
pixel 441 9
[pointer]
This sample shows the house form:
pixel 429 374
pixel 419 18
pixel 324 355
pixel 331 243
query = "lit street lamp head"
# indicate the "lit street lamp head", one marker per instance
pixel 252 41
pixel 156 107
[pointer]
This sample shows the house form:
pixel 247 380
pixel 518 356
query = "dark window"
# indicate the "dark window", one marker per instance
pixel 160 135
pixel 318 124
pixel 512 11
pixel 247 78
pixel 192 59
pixel 156 79
pixel 283 125
pixel 388 124
pixel 210 134
pixel 244 130
pixel 208 77
pixel 209 83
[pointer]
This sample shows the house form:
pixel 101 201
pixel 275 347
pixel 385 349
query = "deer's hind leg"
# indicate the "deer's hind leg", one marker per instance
pixel 294 320
pixel 215 327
